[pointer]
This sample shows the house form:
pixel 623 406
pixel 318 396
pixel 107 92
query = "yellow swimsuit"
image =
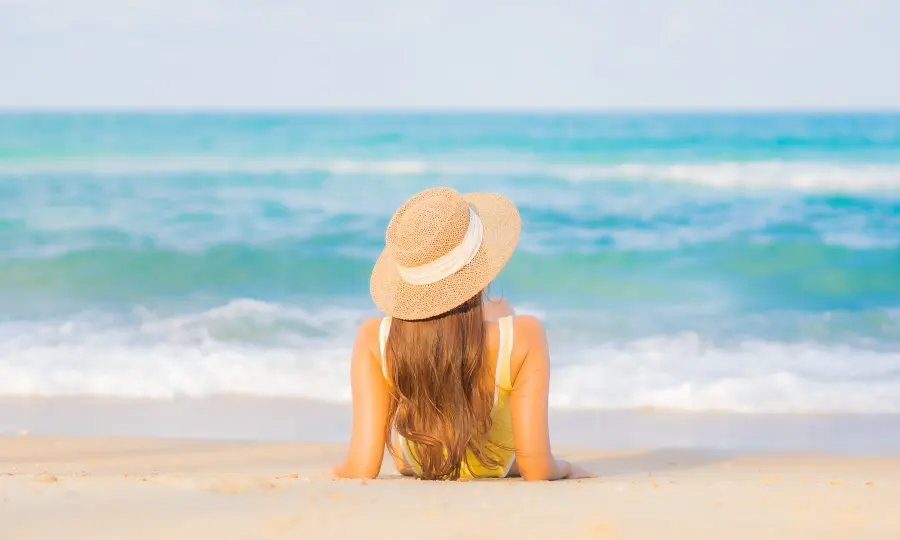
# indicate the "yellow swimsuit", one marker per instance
pixel 501 433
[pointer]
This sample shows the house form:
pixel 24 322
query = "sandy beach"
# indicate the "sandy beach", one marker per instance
pixel 101 488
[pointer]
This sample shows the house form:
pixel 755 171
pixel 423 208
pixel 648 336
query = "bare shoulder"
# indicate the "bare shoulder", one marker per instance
pixel 370 327
pixel 530 338
pixel 367 335
pixel 529 330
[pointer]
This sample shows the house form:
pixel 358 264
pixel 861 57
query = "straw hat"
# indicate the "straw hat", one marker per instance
pixel 442 248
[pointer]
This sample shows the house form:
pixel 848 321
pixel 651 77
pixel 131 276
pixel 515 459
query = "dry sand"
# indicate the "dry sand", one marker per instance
pixel 83 488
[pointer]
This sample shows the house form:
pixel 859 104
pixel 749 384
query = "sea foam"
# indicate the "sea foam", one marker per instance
pixel 254 348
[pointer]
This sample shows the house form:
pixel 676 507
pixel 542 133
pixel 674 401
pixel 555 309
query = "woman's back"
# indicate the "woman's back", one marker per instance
pixel 497 375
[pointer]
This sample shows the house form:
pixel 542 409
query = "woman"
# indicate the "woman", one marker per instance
pixel 454 386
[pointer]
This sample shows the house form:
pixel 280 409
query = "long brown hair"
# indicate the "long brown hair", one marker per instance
pixel 440 399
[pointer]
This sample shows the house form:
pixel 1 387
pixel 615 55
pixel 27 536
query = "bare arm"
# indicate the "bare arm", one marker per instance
pixel 370 407
pixel 529 403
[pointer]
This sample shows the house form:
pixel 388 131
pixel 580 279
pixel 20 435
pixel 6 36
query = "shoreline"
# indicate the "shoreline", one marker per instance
pixel 112 488
pixel 296 420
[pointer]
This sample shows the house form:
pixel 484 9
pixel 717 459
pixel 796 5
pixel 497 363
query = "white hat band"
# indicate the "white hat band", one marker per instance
pixel 451 262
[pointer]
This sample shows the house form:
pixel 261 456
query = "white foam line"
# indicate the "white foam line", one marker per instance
pixel 804 176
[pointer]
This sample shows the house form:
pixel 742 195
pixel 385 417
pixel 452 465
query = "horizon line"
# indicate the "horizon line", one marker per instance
pixel 139 109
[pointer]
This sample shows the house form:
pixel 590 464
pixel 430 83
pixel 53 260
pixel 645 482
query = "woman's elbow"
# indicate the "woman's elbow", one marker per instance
pixel 358 475
pixel 545 470
pixel 537 477
pixel 365 471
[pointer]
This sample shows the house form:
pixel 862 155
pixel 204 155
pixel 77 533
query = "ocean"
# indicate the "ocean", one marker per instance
pixel 697 262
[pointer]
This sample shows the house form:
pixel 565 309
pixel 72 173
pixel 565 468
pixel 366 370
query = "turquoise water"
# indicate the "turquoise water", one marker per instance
pixel 731 262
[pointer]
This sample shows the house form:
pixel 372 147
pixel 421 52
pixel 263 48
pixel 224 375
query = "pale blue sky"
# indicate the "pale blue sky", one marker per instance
pixel 450 53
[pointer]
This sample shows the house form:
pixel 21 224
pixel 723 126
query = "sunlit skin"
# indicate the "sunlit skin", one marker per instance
pixel 530 368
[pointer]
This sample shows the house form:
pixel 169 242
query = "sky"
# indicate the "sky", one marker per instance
pixel 572 54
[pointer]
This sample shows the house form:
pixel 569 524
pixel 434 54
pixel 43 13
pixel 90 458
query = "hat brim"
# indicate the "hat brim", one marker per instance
pixel 402 300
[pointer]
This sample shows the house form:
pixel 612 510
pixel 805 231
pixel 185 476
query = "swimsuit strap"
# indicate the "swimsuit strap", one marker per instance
pixel 504 354
pixel 383 332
